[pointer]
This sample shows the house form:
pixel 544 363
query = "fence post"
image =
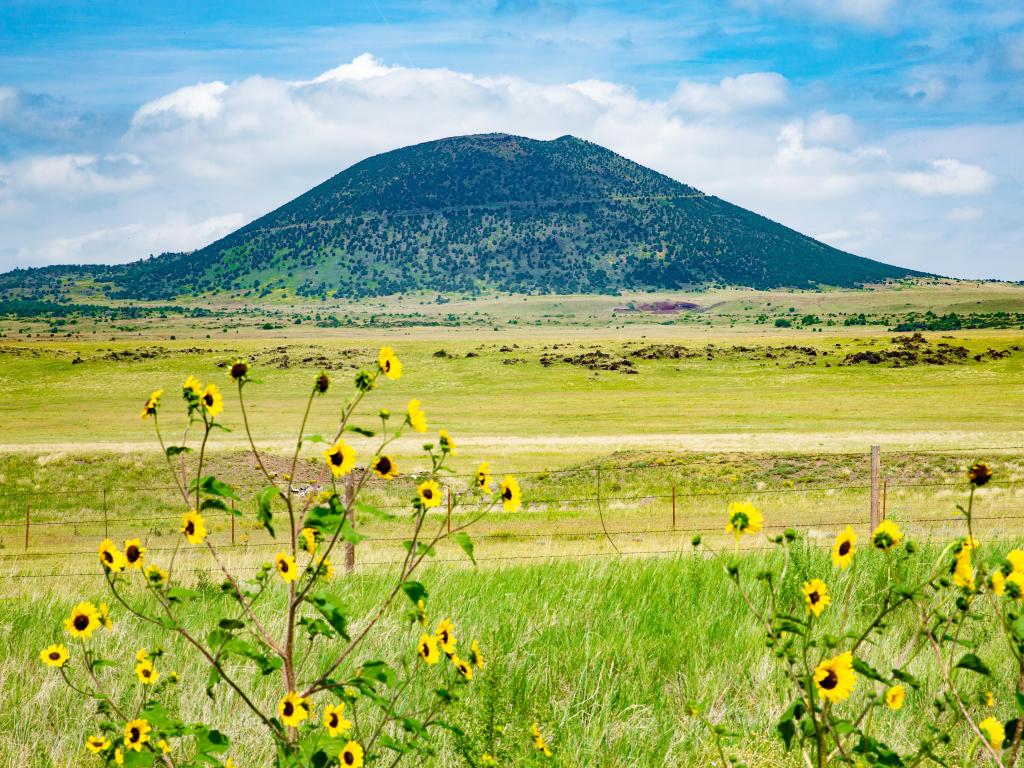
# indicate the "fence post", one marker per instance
pixel 232 522
pixel 106 530
pixel 350 495
pixel 673 506
pixel 28 514
pixel 876 467
pixel 449 489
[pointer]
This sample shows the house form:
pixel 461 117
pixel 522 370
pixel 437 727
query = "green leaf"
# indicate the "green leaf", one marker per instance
pixel 906 677
pixel 1010 727
pixel 315 627
pixel 211 742
pixel 214 487
pixel 133 759
pixel 380 671
pixel 181 595
pixel 415 591
pixel 786 725
pixel 331 609
pixel 867 670
pixel 314 439
pixel 263 511
pixel 231 624
pixel 266 661
pixel 974 664
pixel 360 430
pixel 211 681
pixel 157 715
pixel 1020 701
pixel 421 548
pixel 174 450
pixel 214 504
pixel 462 539
pixel 1018 627
pixel 370 509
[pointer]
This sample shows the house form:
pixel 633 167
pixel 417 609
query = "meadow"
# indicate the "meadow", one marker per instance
pixel 629 434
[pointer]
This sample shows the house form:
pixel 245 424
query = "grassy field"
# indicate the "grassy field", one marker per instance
pixel 630 431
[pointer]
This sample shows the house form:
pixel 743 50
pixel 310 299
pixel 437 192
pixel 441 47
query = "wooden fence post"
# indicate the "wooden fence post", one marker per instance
pixel 350 495
pixel 673 506
pixel 28 515
pixel 876 471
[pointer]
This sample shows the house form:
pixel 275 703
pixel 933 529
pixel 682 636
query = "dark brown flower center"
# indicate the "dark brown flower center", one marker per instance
pixel 507 494
pixel 54 655
pixel 132 553
pixel 427 493
pixel 813 597
pixel 830 681
pixel 190 528
pixel 81 622
pixel 844 549
pixel 288 709
pixel 348 758
pixel 133 734
pixel 283 565
pixel 108 556
pixel 337 458
pixel 208 399
pixel 384 465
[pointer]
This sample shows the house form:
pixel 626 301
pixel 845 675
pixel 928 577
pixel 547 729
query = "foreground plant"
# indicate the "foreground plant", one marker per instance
pixel 939 615
pixel 334 707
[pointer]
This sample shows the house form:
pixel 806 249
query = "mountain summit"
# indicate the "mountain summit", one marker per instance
pixel 495 210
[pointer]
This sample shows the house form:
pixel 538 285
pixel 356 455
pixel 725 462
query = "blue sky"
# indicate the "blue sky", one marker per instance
pixel 887 128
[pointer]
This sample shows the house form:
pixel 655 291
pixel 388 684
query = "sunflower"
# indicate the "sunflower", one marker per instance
pixel 835 678
pixel 141 655
pixel 54 655
pixel 895 697
pixel 97 744
pixel 118 756
pixel 325 569
pixel 743 519
pixel 293 709
pixel 997 581
pixel 427 649
pixel 389 363
pixel 164 746
pixel 416 417
pixel 83 621
pixel 149 409
pixel 963 570
pixel 136 733
pixel 1016 560
pixel 286 566
pixel 464 669
pixel 483 477
pixel 886 536
pixel 429 493
pixel 385 467
pixel 112 560
pixel 447 444
pixel 322 383
pixel 476 656
pixel 239 370
pixel 988 699
pixel 212 400
pixel 156 575
pixel 133 552
pixel 191 389
pixel 308 537
pixel 194 527
pixel 1015 585
pixel 994 732
pixel 352 755
pixel 341 458
pixel 511 497
pixel 538 741
pixel 146 672
pixel 844 548
pixel 816 596
pixel 334 720
pixel 445 635
pixel 979 474
pixel 421 612
pixel 105 617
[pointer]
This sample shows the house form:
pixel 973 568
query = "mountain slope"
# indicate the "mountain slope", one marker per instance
pixel 499 211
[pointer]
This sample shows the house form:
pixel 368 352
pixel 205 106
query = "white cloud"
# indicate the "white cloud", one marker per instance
pixel 866 12
pixel 927 91
pixel 205 159
pixel 947 177
pixel 755 90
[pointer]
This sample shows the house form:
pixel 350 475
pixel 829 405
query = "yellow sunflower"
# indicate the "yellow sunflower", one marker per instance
pixel 146 672
pixel 415 416
pixel 538 741
pixel 341 458
pixel 54 655
pixel 816 596
pixel 476 656
pixel 389 363
pixel 156 575
pixel 141 655
pixel 895 697
pixel 191 390
pixel 447 444
pixel 844 548
pixel 105 617
pixel 963 570
pixel 445 635
pixel 352 755
pixel 325 569
pixel 1016 560
pixel 427 649
pixel 293 709
pixel 164 746
pixel 744 518
pixel 483 477
pixel 118 756
pixel 464 669
pixel 83 621
pixel 511 496
pixel 994 732
pixel 834 678
pixel 1015 585
pixel 308 538
pixel 421 612
pixel 212 400
pixel 194 527
pixel 997 581
pixel 133 552
pixel 111 559
pixel 979 474
pixel 429 493
pixel 334 720
pixel 886 536
pixel 286 566
pixel 136 733
pixel 150 408
pixel 97 744
pixel 239 369
pixel 385 467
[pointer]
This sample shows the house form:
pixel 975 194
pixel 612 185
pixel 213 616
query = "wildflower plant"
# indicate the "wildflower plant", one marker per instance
pixel 333 704
pixel 952 623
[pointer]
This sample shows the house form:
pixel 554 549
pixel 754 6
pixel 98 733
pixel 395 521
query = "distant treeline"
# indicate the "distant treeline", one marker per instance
pixel 38 308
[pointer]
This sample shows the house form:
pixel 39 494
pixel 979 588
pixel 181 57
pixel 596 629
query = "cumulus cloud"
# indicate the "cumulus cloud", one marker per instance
pixel 947 177
pixel 201 160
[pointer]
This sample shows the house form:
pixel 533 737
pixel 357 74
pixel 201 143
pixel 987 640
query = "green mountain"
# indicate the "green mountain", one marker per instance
pixel 489 210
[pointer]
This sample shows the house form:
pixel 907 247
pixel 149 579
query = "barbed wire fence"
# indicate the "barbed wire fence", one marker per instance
pixel 60 526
